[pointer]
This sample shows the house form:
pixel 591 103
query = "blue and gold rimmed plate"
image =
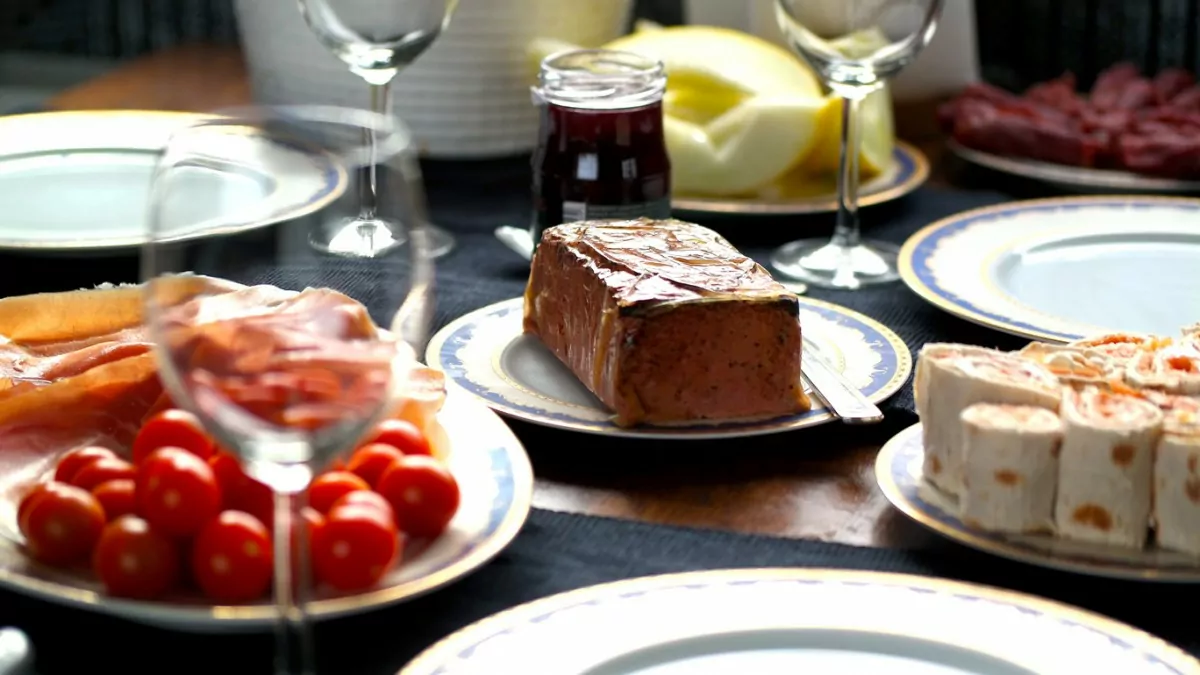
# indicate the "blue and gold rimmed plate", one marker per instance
pixel 1060 269
pixel 78 181
pixel 898 471
pixel 494 476
pixel 908 171
pixel 777 621
pixel 486 353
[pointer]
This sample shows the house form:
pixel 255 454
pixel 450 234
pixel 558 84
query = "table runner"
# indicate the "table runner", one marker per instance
pixel 557 552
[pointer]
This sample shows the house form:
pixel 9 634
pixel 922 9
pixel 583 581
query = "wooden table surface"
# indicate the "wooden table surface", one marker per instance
pixel 831 498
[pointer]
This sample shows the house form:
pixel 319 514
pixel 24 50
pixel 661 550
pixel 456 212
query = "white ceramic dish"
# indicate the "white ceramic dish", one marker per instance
pixel 1061 269
pixel 80 181
pixel 486 353
pixel 777 621
pixel 898 471
pixel 494 475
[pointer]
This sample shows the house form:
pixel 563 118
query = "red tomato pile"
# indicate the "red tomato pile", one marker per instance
pixel 183 511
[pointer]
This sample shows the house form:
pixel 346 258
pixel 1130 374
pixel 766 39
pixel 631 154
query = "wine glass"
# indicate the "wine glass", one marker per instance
pixel 290 371
pixel 376 38
pixel 854 46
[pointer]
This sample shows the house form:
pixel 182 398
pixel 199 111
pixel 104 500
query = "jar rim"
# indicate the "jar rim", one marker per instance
pixel 600 79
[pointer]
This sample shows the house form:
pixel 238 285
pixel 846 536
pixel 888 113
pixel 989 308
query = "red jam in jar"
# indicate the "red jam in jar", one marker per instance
pixel 601 152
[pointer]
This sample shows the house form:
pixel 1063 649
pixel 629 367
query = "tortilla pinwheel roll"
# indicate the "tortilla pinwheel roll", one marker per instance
pixel 1177 474
pixel 1073 365
pixel 1105 471
pixel 1010 467
pixel 951 378
pixel 1175 370
pixel 1120 347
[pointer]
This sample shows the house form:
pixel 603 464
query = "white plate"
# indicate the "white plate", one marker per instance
pixel 1061 269
pixel 79 181
pixel 1076 178
pixel 493 473
pixel 898 471
pixel 908 171
pixel 787 621
pixel 486 353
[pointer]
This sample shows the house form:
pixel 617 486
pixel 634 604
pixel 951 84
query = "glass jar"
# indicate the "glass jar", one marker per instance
pixel 601 152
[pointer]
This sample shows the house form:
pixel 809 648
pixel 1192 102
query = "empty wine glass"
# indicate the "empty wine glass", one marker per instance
pixel 376 38
pixel 288 373
pixel 854 46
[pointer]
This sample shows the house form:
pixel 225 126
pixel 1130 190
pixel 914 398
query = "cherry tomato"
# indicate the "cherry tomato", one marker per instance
pixel 134 560
pixel 422 492
pixel 230 477
pixel 329 487
pixel 370 461
pixel 259 501
pixel 367 498
pixel 70 463
pixel 401 435
pixel 231 558
pixel 313 521
pixel 355 548
pixel 31 494
pixel 61 523
pixel 116 497
pixel 177 492
pixel 101 471
pixel 172 428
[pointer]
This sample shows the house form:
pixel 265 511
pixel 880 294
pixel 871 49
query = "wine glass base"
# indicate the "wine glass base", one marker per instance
pixel 365 238
pixel 821 263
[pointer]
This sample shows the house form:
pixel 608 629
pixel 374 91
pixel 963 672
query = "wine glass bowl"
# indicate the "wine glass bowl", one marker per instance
pixel 853 46
pixel 376 39
pixel 285 369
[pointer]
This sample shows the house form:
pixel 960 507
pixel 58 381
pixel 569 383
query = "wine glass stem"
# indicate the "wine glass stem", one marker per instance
pixel 846 231
pixel 293 654
pixel 380 103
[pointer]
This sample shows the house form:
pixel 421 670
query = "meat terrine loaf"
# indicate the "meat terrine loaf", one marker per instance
pixel 666 322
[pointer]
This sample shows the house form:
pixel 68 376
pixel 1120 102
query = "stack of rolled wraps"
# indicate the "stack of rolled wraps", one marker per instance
pixel 1096 441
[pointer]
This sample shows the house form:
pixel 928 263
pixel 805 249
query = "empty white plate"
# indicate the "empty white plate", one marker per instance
pixel 786 621
pixel 79 181
pixel 1061 269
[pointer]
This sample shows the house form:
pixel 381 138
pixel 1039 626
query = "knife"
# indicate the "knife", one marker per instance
pixel 842 397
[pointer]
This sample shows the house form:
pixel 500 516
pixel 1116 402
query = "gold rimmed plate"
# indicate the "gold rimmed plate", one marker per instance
pixel 1063 268
pixel 908 171
pixel 898 471
pixel 494 476
pixel 78 181
pixel 487 354
pixel 776 621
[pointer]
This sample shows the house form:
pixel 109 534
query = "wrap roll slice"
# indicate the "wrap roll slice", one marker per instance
pixel 951 378
pixel 1175 370
pixel 1105 471
pixel 1120 347
pixel 1073 365
pixel 1010 467
pixel 1177 474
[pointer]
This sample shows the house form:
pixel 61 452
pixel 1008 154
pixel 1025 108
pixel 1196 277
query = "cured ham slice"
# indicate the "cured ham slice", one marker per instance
pixel 1105 470
pixel 1010 467
pixel 951 378
pixel 1073 365
pixel 1120 347
pixel 1175 370
pixel 1177 474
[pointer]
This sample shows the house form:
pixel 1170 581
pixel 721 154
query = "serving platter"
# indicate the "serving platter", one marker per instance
pixel 898 471
pixel 496 481
pixel 776 621
pixel 908 171
pixel 79 181
pixel 486 353
pixel 1064 268
pixel 1075 178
